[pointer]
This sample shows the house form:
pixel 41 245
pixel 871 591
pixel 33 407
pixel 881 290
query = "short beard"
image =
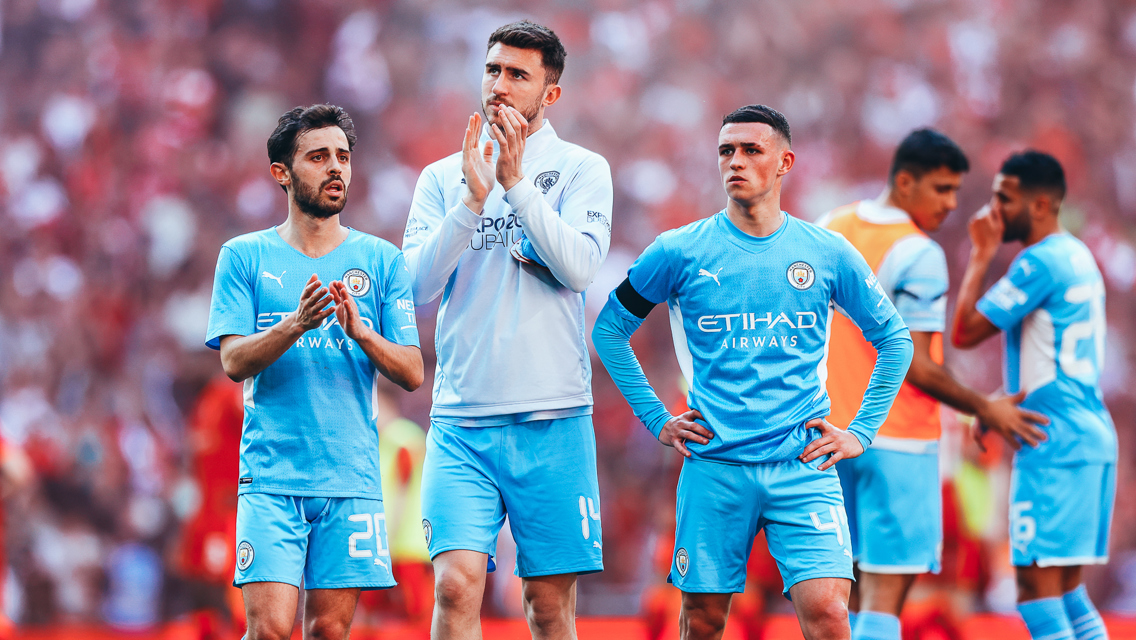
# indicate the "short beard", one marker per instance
pixel 309 201
pixel 1016 229
pixel 529 114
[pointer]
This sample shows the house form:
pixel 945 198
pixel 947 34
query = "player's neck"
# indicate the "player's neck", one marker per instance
pixel 1040 230
pixel 311 236
pixel 760 220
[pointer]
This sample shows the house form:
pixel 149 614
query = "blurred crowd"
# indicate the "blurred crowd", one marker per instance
pixel 132 145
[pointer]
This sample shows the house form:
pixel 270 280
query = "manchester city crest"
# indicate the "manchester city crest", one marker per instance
pixel 801 275
pixel 244 555
pixel 427 530
pixel 546 180
pixel 682 561
pixel 357 281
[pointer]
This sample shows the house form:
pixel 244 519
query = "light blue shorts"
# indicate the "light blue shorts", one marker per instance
pixel 334 543
pixel 721 507
pixel 895 510
pixel 541 473
pixel 1060 516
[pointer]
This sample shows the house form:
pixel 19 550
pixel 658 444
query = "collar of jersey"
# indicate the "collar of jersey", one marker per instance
pixel 752 243
pixel 351 234
pixel 535 145
pixel 876 213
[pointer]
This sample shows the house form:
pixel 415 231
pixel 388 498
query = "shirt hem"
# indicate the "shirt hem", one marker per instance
pixel 307 493
pixel 491 410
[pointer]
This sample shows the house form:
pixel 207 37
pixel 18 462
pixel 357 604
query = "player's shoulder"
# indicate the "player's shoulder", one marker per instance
pixel 840 213
pixel 582 155
pixel 811 232
pixel 443 167
pixel 690 233
pixel 1060 256
pixel 248 243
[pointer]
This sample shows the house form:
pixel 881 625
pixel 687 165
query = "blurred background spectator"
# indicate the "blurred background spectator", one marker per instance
pixel 132 144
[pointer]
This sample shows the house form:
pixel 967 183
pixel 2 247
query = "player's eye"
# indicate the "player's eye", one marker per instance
pixel 317 157
pixel 518 75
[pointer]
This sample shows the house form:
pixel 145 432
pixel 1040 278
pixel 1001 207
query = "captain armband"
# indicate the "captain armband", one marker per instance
pixel 632 301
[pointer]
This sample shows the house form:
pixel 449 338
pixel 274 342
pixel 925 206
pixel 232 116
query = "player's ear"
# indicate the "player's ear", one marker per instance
pixel 903 182
pixel 281 174
pixel 787 160
pixel 551 95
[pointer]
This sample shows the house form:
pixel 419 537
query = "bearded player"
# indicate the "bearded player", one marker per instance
pixel 1050 304
pixel 310 503
pixel 751 293
pixel 892 492
pixel 509 233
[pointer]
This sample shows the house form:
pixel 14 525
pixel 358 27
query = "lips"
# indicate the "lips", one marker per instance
pixel 735 180
pixel 334 188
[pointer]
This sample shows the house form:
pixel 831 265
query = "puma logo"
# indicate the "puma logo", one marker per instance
pixel 714 276
pixel 276 278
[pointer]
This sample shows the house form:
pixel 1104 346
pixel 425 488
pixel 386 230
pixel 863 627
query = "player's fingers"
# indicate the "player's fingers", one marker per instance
pixel 1031 434
pixel 681 446
pixel 487 153
pixel 688 434
pixel 311 286
pixel 836 457
pixel 321 301
pixel 1035 417
pixel 693 414
pixel 701 430
pixel 499 136
pixel 812 447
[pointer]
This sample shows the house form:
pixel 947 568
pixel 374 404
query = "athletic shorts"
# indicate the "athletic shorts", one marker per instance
pixel 333 543
pixel 721 507
pixel 895 510
pixel 541 473
pixel 1060 516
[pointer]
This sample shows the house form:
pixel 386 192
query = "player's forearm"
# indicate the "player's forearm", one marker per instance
pixel 611 336
pixel 573 257
pixel 968 321
pixel 894 350
pixel 245 356
pixel 432 259
pixel 401 364
pixel 933 379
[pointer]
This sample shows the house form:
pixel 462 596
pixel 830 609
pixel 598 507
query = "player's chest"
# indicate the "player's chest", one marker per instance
pixel 280 285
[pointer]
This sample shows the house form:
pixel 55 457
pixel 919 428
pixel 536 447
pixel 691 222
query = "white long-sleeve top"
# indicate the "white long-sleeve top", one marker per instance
pixel 510 336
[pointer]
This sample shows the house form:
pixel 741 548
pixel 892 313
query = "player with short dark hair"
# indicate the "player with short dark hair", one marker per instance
pixel 1051 306
pixel 510 232
pixel 751 293
pixel 310 502
pixel 892 492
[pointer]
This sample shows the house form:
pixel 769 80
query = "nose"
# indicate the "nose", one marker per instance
pixel 952 201
pixel 737 160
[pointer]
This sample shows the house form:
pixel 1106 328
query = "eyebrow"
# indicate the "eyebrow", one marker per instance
pixel 325 150
pixel 744 145
pixel 521 70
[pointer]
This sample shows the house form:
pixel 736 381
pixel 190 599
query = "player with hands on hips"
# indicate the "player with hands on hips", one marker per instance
pixel 751 292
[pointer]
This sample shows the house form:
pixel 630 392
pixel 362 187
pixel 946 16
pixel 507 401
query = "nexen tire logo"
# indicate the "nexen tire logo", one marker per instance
pixel 750 321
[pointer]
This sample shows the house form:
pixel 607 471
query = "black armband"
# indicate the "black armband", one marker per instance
pixel 632 301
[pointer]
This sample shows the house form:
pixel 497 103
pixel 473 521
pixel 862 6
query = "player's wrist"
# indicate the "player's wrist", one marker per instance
pixel 508 182
pixel 473 203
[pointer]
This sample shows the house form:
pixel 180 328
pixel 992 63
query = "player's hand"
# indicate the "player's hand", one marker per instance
pixel 1003 416
pixel 683 427
pixel 840 443
pixel 313 309
pixel 985 228
pixel 347 312
pixel 477 166
pixel 510 131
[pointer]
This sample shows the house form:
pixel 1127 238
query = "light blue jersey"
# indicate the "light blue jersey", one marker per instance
pixel 750 320
pixel 1050 304
pixel 309 426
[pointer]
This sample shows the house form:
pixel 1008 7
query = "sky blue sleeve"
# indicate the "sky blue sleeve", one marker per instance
pixel 921 292
pixel 398 322
pixel 231 309
pixel 857 290
pixel 1024 287
pixel 651 275
pixel 612 338
pixel 894 349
